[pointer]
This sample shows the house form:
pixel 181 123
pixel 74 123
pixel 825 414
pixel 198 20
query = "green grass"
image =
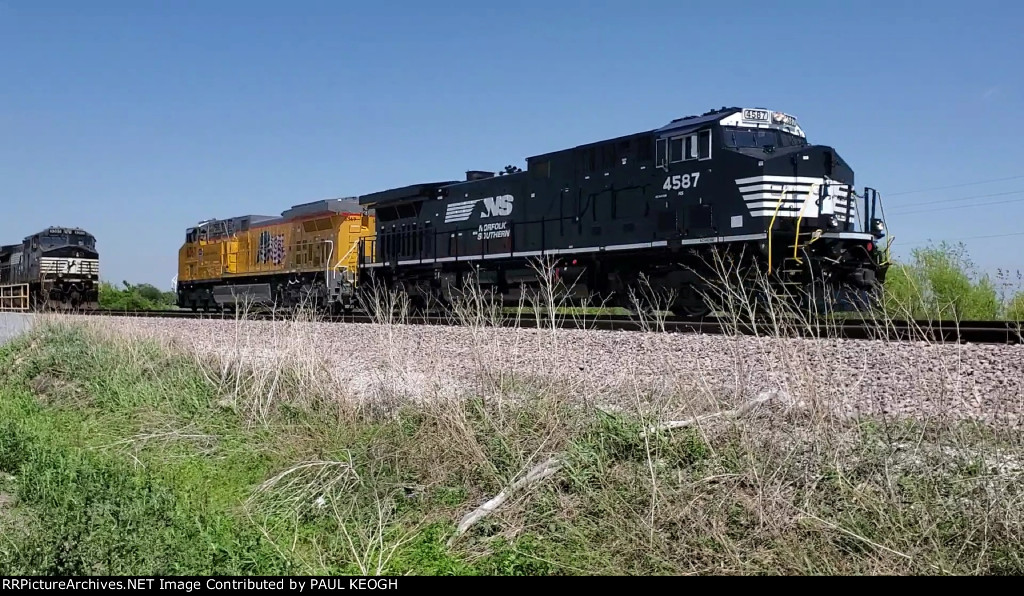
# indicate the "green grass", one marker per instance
pixel 125 458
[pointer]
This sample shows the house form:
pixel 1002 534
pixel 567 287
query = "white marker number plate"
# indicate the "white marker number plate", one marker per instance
pixel 756 115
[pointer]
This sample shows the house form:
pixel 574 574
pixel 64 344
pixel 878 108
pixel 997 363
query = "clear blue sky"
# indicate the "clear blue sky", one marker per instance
pixel 136 119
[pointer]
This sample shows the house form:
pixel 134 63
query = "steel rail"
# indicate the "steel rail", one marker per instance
pixel 977 332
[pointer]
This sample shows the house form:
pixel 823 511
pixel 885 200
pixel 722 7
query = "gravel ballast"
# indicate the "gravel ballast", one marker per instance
pixel 679 373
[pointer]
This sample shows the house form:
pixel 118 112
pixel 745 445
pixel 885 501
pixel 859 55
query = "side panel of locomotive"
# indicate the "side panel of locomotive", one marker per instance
pixel 601 209
pixel 655 204
pixel 55 268
pixel 309 253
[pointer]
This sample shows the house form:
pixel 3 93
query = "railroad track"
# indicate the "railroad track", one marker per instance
pixel 979 332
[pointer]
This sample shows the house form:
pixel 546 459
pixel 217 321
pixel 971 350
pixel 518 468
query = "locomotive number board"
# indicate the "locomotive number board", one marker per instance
pixel 756 115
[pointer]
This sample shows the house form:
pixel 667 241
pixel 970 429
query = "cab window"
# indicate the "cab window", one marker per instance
pixel 757 138
pixel 690 147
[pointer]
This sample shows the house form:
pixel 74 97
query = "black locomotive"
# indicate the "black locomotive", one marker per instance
pixel 58 268
pixel 657 203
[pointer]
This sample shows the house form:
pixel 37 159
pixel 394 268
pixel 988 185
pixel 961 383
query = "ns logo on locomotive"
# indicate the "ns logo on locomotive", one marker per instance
pixel 57 268
pixel 660 203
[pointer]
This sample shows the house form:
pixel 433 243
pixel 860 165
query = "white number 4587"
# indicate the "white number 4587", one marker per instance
pixel 678 182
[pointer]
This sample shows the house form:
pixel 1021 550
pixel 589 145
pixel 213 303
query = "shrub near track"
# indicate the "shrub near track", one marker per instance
pixel 940 282
pixel 125 457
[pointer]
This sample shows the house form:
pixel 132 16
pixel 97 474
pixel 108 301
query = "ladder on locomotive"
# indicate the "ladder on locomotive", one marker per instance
pixel 792 273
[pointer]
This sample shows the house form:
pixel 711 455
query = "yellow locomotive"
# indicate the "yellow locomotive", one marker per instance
pixel 307 256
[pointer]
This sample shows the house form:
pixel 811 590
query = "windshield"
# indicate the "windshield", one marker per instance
pixel 55 240
pixel 52 240
pixel 760 137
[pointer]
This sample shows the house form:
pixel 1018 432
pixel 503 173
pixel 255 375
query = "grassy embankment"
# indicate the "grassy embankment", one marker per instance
pixel 123 456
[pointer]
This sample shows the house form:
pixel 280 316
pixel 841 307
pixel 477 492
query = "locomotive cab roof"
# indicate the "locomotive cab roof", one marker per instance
pixel 690 123
pixel 59 231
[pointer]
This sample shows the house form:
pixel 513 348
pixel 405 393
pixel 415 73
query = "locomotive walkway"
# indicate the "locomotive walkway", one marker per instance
pixel 978 332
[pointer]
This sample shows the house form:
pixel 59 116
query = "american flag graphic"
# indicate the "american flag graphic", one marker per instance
pixel 271 249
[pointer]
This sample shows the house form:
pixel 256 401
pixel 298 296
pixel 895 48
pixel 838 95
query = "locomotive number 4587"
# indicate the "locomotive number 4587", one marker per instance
pixel 684 181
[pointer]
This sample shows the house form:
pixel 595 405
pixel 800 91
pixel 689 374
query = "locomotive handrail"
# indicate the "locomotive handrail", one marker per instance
pixel 339 265
pixel 782 196
pixel 855 202
pixel 799 219
pixel 327 263
pixel 11 300
pixel 347 253
pixel 851 203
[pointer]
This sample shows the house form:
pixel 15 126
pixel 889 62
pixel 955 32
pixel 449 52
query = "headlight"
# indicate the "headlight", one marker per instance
pixel 878 228
pixel 783 118
pixel 833 221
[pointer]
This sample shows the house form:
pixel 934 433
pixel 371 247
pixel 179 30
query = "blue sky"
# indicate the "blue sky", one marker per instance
pixel 136 119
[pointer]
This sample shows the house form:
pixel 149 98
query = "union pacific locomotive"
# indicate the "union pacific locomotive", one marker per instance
pixel 57 268
pixel 665 204
pixel 306 256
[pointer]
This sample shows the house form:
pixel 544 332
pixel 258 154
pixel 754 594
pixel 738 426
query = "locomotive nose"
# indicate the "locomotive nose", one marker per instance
pixel 818 161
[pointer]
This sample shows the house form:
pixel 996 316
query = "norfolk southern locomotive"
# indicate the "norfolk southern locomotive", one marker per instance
pixel 56 268
pixel 655 203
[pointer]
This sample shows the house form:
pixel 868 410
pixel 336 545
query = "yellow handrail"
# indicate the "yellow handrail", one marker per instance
pixel 782 196
pixel 799 218
pixel 796 240
pixel 888 248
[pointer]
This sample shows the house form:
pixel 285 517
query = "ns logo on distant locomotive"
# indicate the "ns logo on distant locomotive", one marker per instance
pixel 654 207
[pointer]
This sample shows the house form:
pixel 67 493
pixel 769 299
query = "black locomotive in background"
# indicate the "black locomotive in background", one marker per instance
pixel 663 203
pixel 56 268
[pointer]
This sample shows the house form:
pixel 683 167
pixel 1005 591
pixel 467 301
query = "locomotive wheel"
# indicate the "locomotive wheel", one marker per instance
pixel 690 310
pixel 690 304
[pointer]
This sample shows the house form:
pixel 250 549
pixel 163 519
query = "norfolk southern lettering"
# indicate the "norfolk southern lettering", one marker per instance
pixel 492 230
